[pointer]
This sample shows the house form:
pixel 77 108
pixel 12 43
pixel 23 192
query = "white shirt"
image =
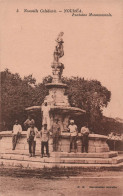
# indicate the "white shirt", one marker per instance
pixel 85 130
pixel 44 135
pixel 73 130
pixel 17 129
pixel 32 129
pixel 45 110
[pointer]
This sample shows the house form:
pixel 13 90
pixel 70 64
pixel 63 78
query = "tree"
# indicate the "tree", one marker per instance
pixel 16 95
pixel 89 95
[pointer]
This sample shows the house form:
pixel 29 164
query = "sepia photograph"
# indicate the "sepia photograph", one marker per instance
pixel 61 97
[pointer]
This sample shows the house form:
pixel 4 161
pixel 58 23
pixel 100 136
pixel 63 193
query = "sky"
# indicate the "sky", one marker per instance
pixel 93 45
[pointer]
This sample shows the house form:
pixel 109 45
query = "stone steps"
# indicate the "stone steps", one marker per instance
pixel 63 154
pixel 88 155
pixel 56 159
pixel 34 165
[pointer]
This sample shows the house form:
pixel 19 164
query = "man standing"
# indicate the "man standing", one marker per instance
pixel 55 134
pixel 46 114
pixel 44 140
pixel 73 135
pixel 17 129
pixel 85 133
pixel 28 121
pixel 31 138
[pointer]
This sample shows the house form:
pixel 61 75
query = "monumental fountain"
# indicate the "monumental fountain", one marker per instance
pixel 58 107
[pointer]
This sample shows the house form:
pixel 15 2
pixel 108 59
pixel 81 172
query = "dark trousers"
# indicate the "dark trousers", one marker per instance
pixel 44 144
pixel 14 141
pixel 73 140
pixel 55 142
pixel 32 145
pixel 85 143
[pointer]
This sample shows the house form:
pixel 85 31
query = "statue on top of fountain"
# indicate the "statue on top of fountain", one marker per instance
pixel 58 52
pixel 57 67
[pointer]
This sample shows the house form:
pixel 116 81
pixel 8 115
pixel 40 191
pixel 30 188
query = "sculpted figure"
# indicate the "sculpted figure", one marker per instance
pixel 59 52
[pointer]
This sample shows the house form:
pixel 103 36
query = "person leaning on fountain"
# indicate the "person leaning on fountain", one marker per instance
pixel 32 132
pixel 44 133
pixel 55 130
pixel 85 133
pixel 16 132
pixel 73 135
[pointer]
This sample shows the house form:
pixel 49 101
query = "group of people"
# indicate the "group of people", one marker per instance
pixel 32 133
pixel 72 128
pixel 45 133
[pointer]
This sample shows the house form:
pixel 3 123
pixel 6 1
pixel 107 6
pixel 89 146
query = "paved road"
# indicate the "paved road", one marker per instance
pixel 87 183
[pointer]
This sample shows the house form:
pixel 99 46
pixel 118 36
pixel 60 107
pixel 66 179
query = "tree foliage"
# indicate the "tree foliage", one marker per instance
pixel 17 94
pixel 89 95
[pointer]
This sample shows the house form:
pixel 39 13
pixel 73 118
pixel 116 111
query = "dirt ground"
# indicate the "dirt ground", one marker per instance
pixel 61 182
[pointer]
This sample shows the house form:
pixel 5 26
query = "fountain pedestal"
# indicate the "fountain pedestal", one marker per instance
pixel 98 156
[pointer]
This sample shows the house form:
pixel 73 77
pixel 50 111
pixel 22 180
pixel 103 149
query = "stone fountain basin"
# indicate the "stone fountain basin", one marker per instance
pixel 97 143
pixel 60 109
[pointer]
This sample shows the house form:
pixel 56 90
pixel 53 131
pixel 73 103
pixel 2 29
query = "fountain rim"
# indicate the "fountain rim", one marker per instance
pixel 59 109
pixel 56 85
